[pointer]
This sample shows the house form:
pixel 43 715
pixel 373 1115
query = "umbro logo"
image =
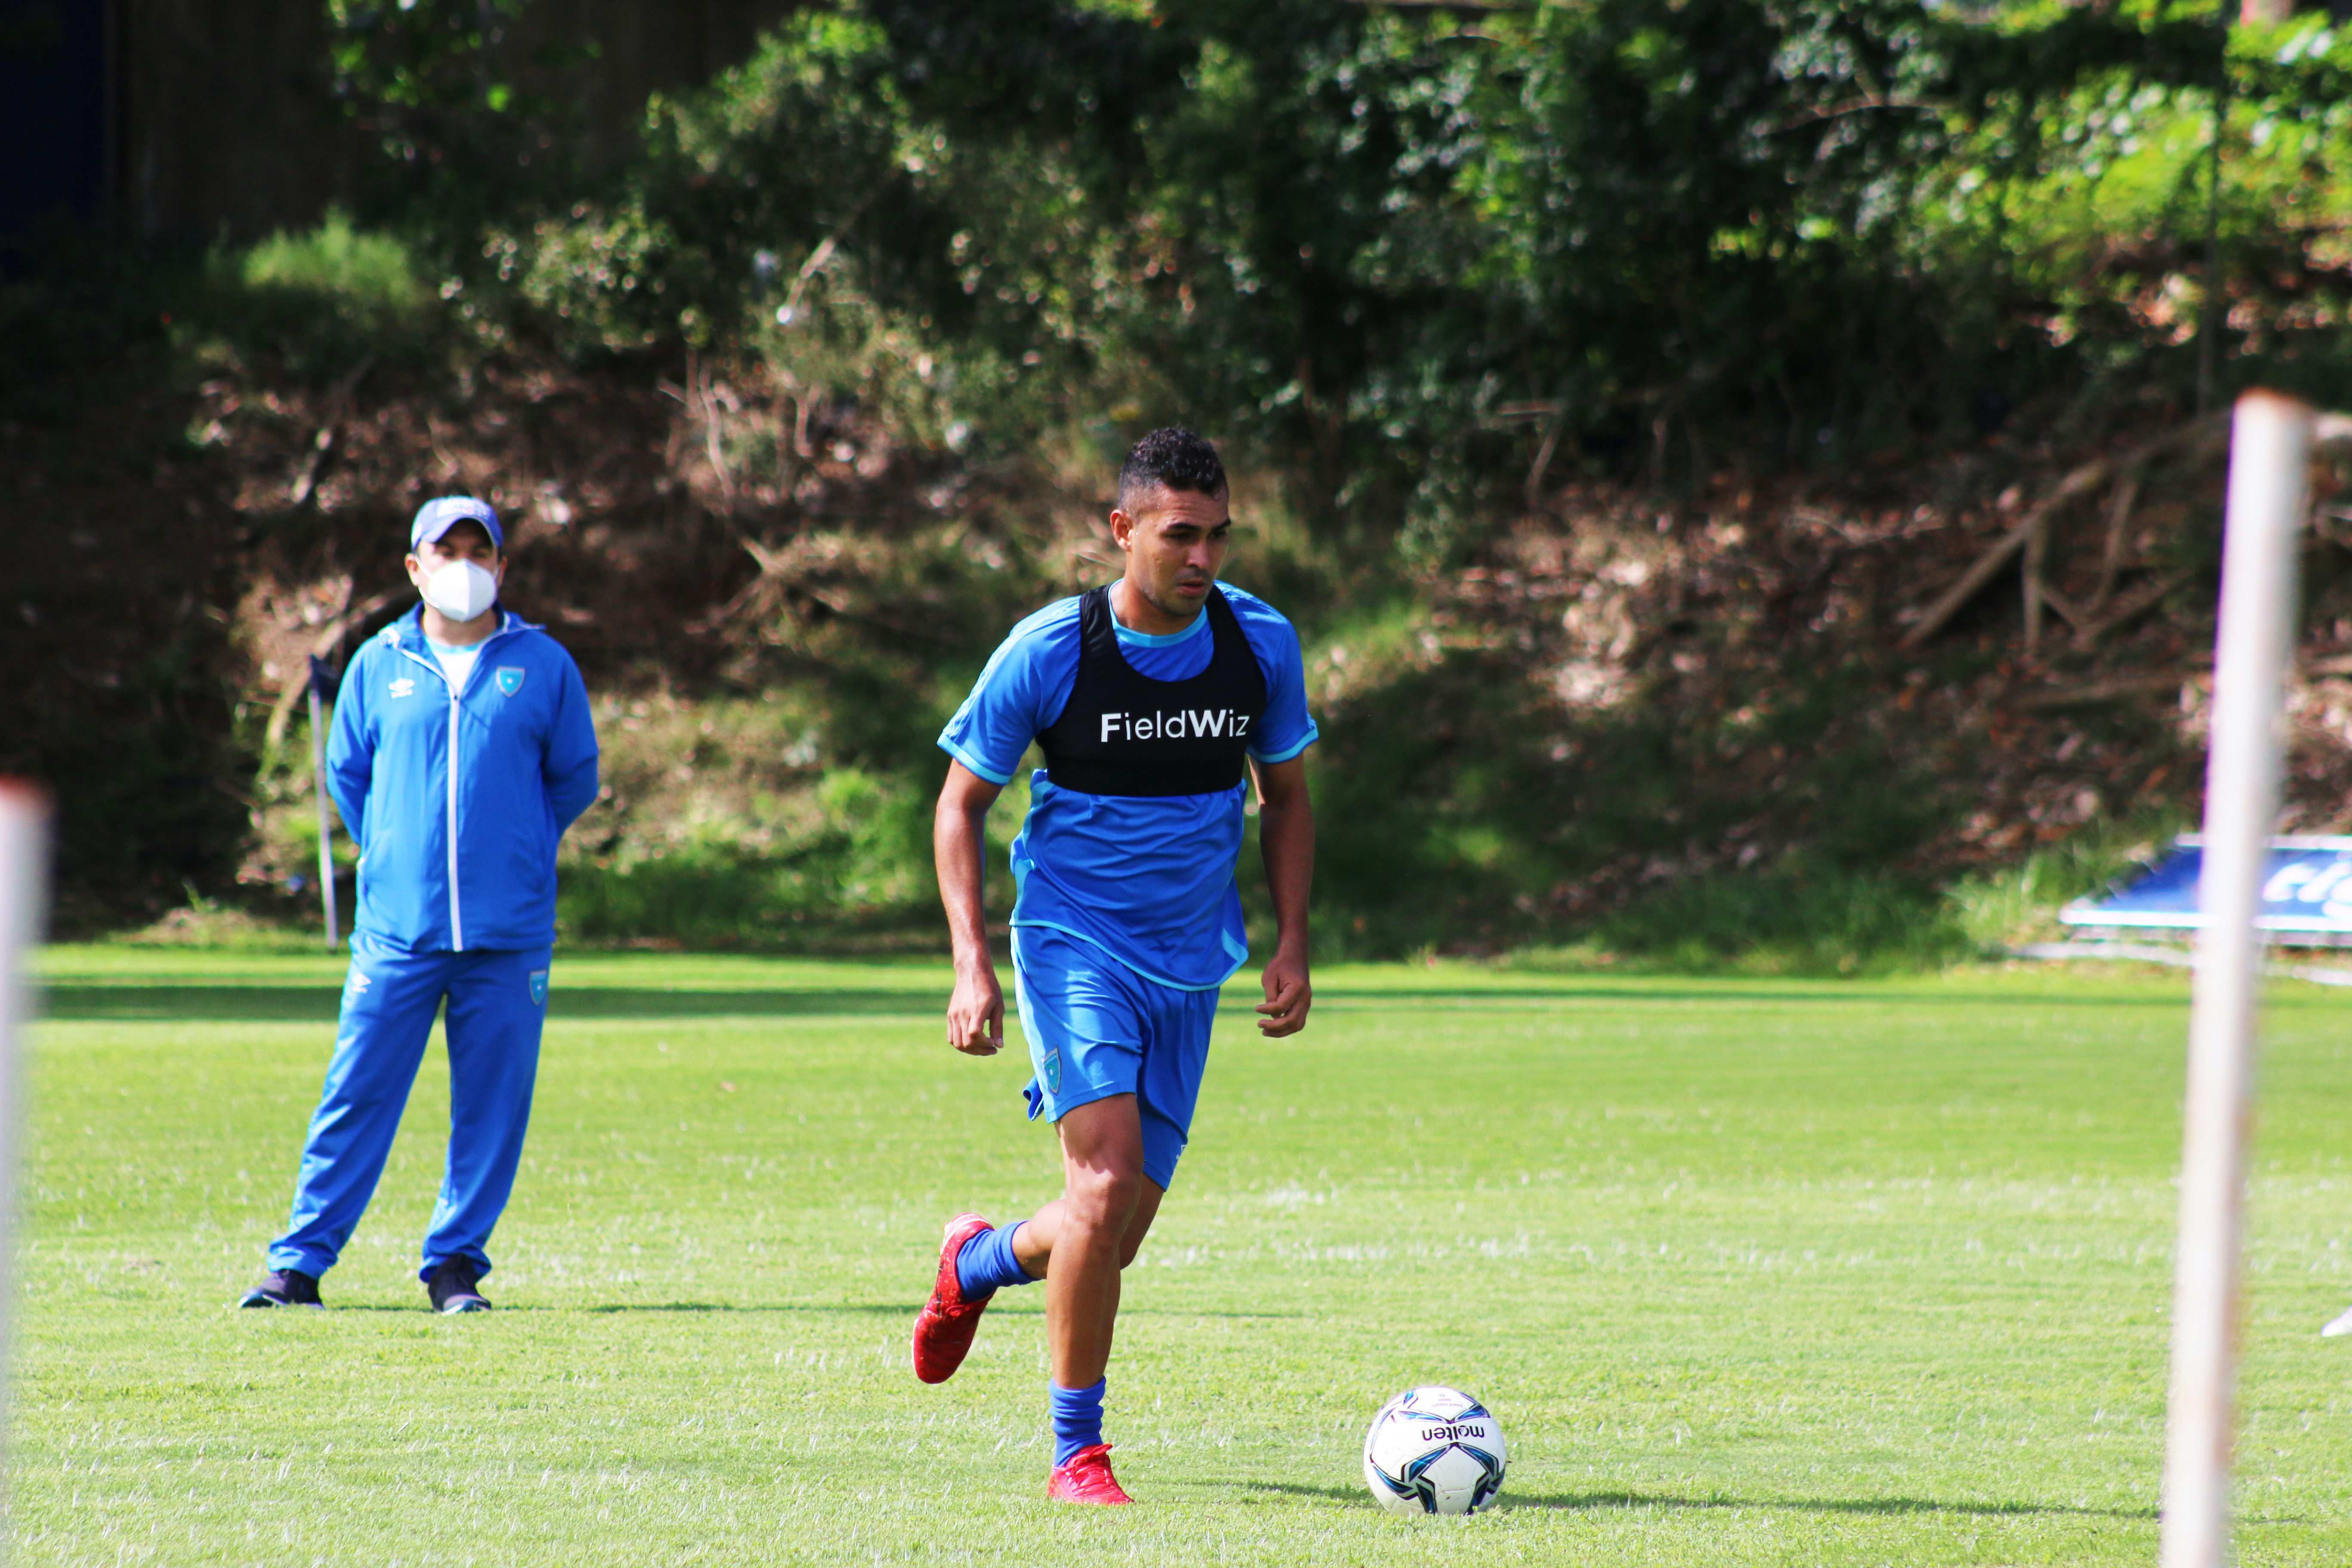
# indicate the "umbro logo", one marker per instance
pixel 404 687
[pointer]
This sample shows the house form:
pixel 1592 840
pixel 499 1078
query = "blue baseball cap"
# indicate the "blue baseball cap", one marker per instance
pixel 437 517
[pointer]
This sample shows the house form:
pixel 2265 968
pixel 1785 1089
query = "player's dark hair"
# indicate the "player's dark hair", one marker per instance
pixel 1175 458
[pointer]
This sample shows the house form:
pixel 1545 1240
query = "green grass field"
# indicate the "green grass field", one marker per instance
pixel 1750 1271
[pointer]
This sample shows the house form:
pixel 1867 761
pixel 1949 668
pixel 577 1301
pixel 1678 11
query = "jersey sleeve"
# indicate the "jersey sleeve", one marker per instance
pixel 568 765
pixel 351 744
pixel 1288 728
pixel 1021 692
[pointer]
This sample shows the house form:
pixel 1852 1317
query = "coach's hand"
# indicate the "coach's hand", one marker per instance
pixel 1288 997
pixel 976 1012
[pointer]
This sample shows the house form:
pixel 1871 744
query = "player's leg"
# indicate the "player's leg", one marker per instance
pixel 978 1259
pixel 1168 1082
pixel 1080 1018
pixel 497 1006
pixel 1119 1157
pixel 1103 1190
pixel 1087 1237
pixel 389 1000
pixel 1031 1241
pixel 1121 1147
pixel 1167 1087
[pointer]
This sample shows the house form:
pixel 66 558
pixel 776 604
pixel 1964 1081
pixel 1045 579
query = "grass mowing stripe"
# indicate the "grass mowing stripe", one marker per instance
pixel 1751 1272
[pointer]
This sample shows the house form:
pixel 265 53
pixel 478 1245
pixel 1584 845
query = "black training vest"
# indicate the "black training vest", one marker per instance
pixel 1124 734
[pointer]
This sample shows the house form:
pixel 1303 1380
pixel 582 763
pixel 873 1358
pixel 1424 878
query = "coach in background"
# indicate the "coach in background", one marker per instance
pixel 462 748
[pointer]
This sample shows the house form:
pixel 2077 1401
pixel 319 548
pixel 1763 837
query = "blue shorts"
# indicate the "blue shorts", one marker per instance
pixel 1096 1029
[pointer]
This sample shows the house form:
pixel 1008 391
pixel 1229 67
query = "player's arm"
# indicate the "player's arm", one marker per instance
pixel 350 748
pixel 976 1012
pixel 568 759
pixel 1286 831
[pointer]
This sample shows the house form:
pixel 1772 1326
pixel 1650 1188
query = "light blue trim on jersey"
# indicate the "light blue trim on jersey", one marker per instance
pixel 1270 759
pixel 964 755
pixel 1129 638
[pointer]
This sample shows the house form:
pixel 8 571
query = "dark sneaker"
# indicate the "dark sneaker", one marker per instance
pixel 453 1289
pixel 284 1287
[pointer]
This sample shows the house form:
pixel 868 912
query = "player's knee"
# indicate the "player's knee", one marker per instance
pixel 1104 1197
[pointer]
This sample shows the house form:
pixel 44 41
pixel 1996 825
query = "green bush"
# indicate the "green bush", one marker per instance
pixel 367 280
pixel 322 301
pixel 1389 253
pixel 2019 903
pixel 1790 919
pixel 852 870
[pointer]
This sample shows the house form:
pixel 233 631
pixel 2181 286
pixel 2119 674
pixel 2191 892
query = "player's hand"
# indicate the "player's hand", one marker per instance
pixel 1288 997
pixel 976 1012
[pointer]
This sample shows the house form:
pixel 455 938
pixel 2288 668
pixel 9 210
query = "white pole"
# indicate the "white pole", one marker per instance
pixel 2270 455
pixel 24 903
pixel 319 782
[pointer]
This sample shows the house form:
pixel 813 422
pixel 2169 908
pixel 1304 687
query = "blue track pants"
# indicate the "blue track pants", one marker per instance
pixel 497 1001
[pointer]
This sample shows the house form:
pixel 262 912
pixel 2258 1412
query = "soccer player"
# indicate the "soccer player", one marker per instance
pixel 1151 699
pixel 462 748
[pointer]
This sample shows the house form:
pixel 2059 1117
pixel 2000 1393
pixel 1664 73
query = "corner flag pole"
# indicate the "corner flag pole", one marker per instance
pixel 24 905
pixel 2270 456
pixel 323 686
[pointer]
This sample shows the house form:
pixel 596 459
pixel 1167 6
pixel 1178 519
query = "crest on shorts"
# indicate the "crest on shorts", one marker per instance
pixel 509 679
pixel 1053 1064
pixel 539 987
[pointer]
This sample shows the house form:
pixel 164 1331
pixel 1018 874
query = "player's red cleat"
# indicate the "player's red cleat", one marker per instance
pixel 1085 1476
pixel 944 1327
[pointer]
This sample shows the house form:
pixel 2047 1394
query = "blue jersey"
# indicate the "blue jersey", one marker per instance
pixel 1147 879
pixel 456 798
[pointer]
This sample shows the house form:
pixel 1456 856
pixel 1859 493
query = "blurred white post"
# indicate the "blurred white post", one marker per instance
pixel 24 906
pixel 2270 455
pixel 318 781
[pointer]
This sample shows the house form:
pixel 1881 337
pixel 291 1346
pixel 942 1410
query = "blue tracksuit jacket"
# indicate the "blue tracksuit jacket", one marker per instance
pixel 454 858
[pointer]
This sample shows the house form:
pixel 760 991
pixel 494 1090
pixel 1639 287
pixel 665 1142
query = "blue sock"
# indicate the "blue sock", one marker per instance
pixel 1078 1417
pixel 986 1262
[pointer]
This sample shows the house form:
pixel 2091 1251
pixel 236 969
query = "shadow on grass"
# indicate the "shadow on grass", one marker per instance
pixel 317 1004
pixel 837 1308
pixel 1591 1502
pixel 1797 991
pixel 859 1310
pixel 834 1308
pixel 1892 1505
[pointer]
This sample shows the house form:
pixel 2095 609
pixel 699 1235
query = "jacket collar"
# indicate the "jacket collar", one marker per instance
pixel 407 633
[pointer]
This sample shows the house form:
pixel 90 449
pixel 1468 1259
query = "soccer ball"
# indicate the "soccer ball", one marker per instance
pixel 1434 1450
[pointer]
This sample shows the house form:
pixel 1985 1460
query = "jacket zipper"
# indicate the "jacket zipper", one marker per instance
pixel 450 769
pixel 457 921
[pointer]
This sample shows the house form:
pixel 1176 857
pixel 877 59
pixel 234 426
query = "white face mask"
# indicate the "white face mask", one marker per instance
pixel 460 590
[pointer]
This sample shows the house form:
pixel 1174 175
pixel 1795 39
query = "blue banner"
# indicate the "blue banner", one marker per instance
pixel 2308 889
